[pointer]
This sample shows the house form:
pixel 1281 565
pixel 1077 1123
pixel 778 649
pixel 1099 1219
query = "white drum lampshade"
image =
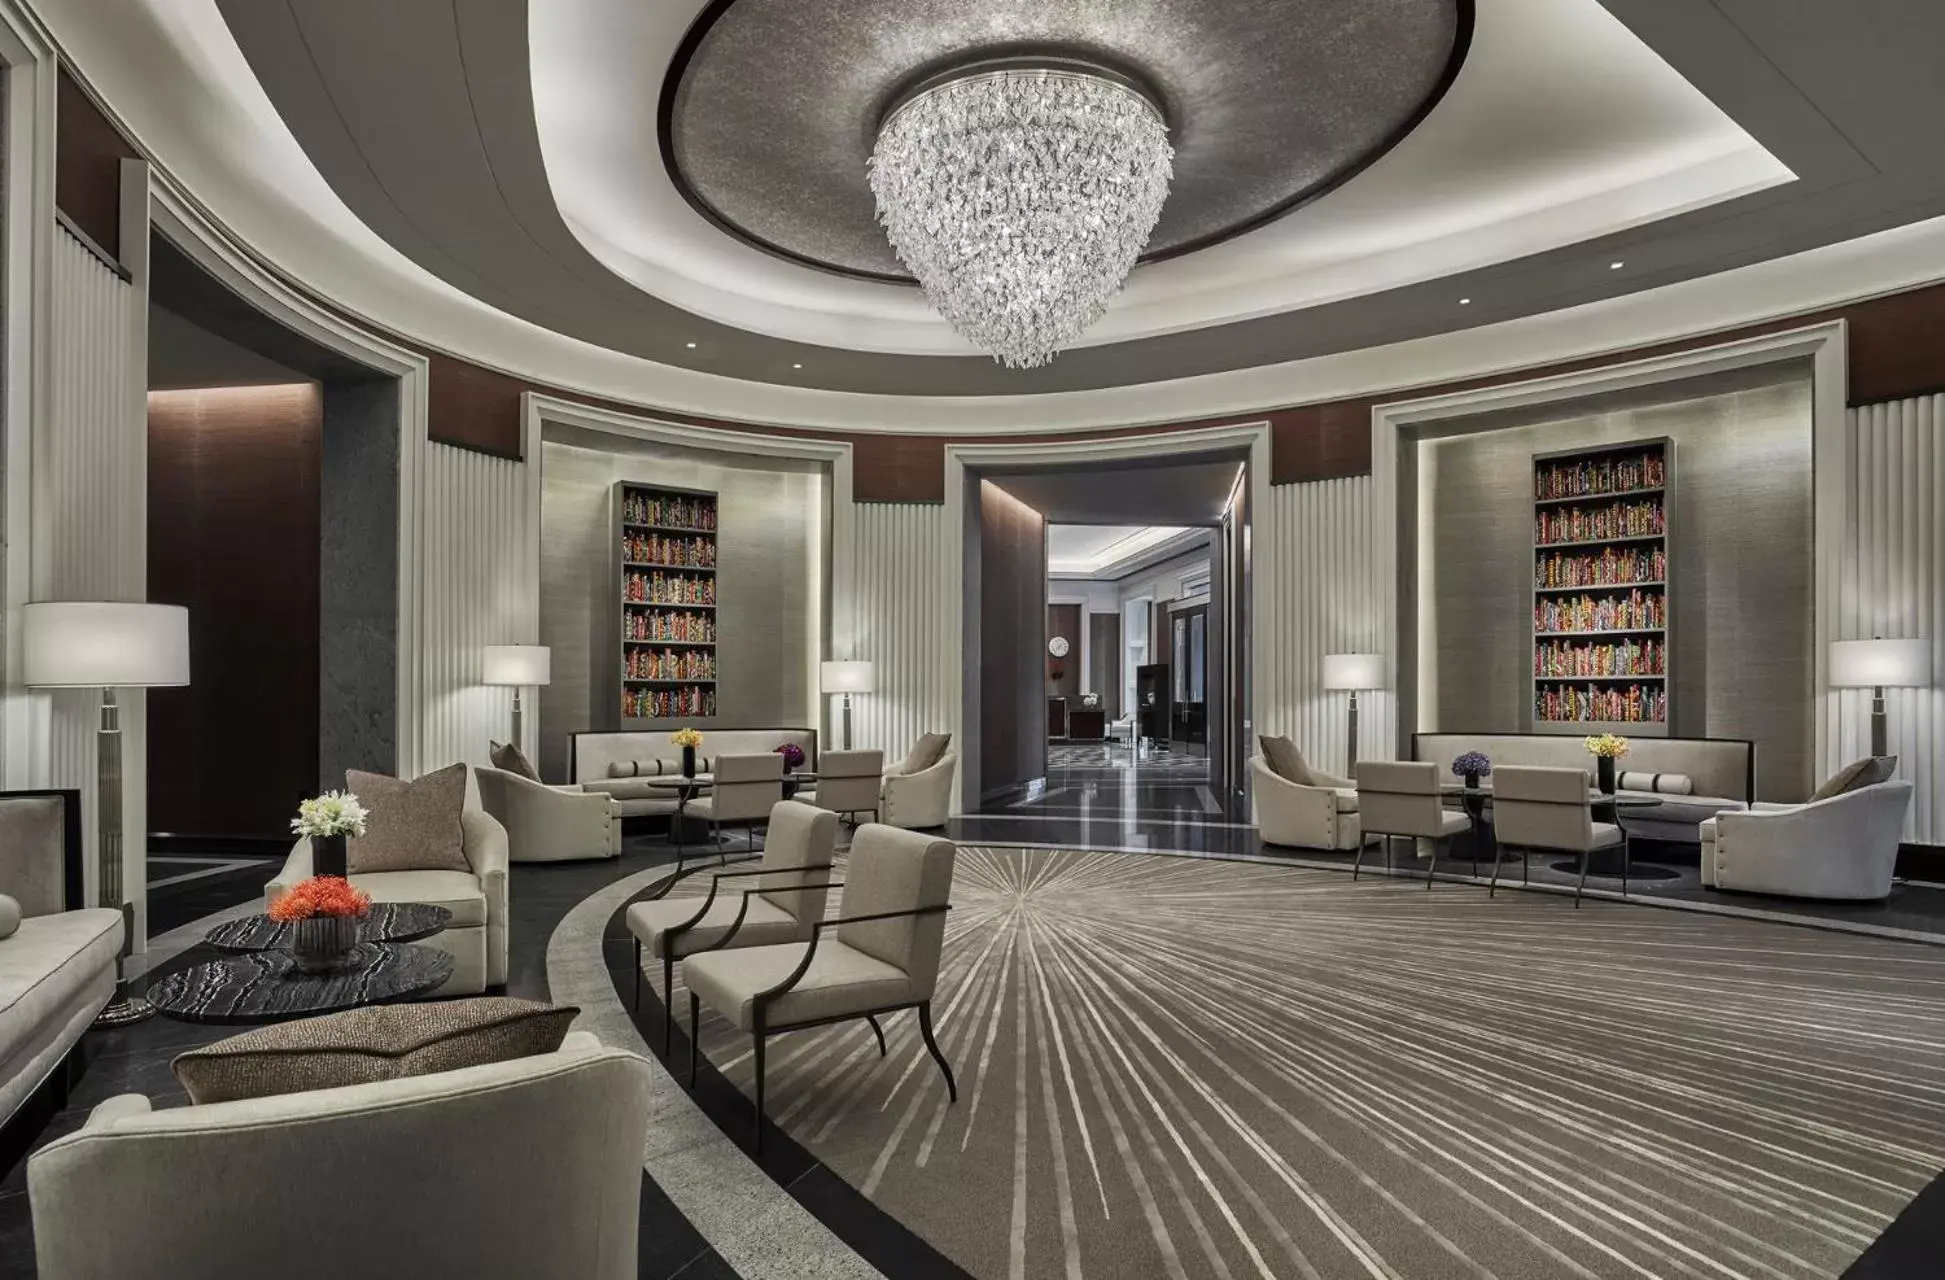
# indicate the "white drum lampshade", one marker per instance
pixel 846 677
pixel 517 664
pixel 1353 671
pixel 1871 664
pixel 99 644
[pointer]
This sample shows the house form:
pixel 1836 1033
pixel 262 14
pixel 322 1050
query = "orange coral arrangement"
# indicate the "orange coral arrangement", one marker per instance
pixel 321 896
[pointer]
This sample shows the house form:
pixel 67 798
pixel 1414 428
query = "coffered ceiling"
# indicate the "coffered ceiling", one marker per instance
pixel 1582 149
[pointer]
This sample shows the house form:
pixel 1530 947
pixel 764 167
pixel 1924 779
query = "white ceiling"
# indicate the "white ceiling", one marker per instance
pixel 1563 126
pixel 1110 551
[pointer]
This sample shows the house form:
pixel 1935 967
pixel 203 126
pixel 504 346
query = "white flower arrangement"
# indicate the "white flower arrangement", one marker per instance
pixel 335 813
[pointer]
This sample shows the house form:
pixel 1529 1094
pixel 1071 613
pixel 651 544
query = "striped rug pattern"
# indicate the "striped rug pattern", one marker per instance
pixel 1174 1067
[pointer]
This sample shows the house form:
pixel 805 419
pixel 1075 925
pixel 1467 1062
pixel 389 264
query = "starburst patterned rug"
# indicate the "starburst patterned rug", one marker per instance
pixel 1174 1067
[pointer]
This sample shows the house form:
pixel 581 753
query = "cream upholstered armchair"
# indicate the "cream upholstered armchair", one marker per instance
pixel 550 824
pixel 1401 798
pixel 779 901
pixel 918 790
pixel 879 956
pixel 531 1167
pixel 477 898
pixel 1550 809
pixel 849 782
pixel 1300 805
pixel 1843 848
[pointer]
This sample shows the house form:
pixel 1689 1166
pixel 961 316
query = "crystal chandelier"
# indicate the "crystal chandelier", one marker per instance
pixel 1020 195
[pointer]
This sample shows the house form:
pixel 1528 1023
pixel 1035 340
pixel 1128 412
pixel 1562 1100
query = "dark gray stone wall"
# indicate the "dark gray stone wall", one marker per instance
pixel 358 581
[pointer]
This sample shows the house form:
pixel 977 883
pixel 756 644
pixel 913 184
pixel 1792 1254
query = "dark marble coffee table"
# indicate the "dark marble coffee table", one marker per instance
pixel 387 922
pixel 267 986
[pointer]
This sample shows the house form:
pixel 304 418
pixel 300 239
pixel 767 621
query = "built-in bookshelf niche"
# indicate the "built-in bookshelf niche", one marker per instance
pixel 665 540
pixel 1601 572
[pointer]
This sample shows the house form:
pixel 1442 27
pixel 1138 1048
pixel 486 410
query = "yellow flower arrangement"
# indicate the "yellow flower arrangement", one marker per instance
pixel 686 737
pixel 1611 745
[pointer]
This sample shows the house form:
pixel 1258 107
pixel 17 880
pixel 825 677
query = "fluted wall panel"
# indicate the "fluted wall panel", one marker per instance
pixel 1315 593
pixel 904 610
pixel 1893 585
pixel 90 511
pixel 477 589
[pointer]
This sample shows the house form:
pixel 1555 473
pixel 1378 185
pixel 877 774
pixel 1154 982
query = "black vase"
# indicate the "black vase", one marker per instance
pixel 1604 774
pixel 688 762
pixel 1472 782
pixel 328 856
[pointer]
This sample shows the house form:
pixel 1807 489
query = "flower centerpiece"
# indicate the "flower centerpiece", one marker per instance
pixel 793 757
pixel 327 820
pixel 324 912
pixel 688 739
pixel 1472 766
pixel 1606 748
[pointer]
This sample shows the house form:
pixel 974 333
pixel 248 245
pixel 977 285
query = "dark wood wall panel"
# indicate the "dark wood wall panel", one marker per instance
pixel 88 155
pixel 233 532
pixel 1012 648
pixel 1104 647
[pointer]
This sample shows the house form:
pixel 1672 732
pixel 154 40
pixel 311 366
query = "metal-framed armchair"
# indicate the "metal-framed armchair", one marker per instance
pixel 781 904
pixel 744 790
pixel 880 956
pixel 1401 798
pixel 1550 809
pixel 849 783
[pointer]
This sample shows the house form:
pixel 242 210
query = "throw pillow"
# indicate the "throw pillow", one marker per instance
pixel 9 916
pixel 360 1046
pixel 1867 772
pixel 1285 761
pixel 926 752
pixel 1667 784
pixel 509 758
pixel 414 826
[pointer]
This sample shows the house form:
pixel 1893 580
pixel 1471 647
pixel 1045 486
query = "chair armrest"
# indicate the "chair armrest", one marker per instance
pixel 1318 778
pixel 297 868
pixel 123 1106
pixel 577 1041
pixel 925 793
pixel 546 822
pixel 1290 813
pixel 485 846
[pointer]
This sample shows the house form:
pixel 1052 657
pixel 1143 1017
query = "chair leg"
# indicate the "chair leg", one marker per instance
pixel 1526 865
pixel 1433 869
pixel 695 1034
pixel 932 1047
pixel 1358 857
pixel 668 1002
pixel 1627 862
pixel 759 1091
pixel 1492 886
pixel 1387 855
pixel 872 1018
pixel 1586 856
pixel 638 975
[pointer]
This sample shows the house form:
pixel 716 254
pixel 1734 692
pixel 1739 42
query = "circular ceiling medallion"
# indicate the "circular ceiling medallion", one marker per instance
pixel 770 109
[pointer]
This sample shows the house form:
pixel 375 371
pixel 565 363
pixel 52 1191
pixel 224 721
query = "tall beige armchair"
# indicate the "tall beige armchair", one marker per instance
pixel 1401 798
pixel 550 824
pixel 849 782
pixel 525 1168
pixel 1550 809
pixel 745 790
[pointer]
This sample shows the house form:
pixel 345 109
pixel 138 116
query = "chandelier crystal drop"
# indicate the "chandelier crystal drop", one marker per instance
pixel 1020 199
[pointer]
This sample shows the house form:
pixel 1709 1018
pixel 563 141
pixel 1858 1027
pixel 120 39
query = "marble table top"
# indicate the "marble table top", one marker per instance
pixel 267 986
pixel 388 922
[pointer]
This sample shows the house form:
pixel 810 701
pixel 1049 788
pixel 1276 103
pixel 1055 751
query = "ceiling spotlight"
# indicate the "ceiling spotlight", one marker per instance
pixel 1465 302
pixel 796 366
pixel 691 346
pixel 1616 266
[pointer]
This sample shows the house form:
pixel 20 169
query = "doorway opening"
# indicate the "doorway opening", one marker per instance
pixel 1132 694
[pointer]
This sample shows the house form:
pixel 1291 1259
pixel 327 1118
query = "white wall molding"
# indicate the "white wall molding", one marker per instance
pixel 1824 345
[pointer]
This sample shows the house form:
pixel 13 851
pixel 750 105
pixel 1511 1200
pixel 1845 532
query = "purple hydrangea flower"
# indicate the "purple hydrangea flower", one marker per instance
pixel 1472 763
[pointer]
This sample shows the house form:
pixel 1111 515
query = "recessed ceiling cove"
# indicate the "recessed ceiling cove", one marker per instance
pixel 771 107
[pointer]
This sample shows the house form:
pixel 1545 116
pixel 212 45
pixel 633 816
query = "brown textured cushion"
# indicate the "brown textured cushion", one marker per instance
pixel 926 752
pixel 1285 761
pixel 414 826
pixel 360 1046
pixel 509 758
pixel 1867 772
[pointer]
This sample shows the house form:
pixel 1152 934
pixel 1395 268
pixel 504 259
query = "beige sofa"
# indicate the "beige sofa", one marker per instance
pixel 1844 848
pixel 620 765
pixel 550 824
pixel 524 1168
pixel 477 936
pixel 57 969
pixel 1722 771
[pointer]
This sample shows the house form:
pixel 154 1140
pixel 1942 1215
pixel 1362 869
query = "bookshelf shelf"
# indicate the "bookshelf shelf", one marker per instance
pixel 665 541
pixel 1624 491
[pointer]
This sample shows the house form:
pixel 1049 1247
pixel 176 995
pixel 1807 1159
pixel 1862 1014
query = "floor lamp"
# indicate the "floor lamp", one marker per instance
pixel 1353 672
pixel 107 645
pixel 1878 665
pixel 846 678
pixel 518 666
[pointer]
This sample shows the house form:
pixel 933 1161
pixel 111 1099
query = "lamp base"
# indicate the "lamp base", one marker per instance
pixel 124 1010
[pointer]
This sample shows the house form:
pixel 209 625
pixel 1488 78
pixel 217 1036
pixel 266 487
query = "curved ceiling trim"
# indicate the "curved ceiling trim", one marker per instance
pixel 675 84
pixel 174 86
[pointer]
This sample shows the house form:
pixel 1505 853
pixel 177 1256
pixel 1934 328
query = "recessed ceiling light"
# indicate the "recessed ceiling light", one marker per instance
pixel 796 366
pixel 1616 266
pixel 1465 302
pixel 692 346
